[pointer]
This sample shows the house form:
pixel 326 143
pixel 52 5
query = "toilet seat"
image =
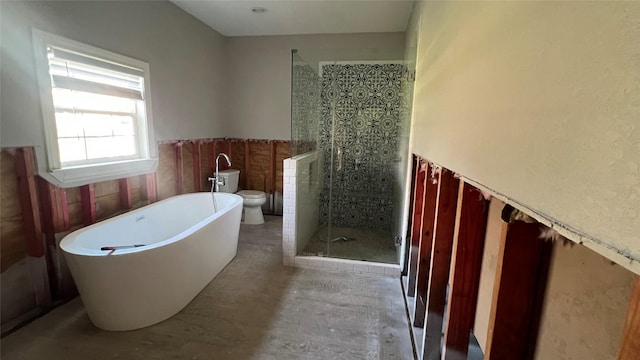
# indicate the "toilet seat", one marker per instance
pixel 251 194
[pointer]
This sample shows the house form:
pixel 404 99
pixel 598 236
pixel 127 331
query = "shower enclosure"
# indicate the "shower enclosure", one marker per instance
pixel 350 117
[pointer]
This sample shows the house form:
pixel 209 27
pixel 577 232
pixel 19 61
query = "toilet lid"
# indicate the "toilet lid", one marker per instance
pixel 251 194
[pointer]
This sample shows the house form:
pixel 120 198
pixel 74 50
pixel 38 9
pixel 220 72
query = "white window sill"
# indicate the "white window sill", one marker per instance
pixel 83 175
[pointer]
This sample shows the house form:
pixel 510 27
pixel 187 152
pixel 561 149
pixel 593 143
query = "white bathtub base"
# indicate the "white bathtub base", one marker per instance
pixel 141 287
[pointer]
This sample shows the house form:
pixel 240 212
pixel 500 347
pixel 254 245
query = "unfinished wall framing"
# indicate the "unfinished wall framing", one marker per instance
pixel 35 214
pixel 518 293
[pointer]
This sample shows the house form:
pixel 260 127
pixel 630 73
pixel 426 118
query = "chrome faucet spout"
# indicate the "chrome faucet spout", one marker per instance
pixel 216 179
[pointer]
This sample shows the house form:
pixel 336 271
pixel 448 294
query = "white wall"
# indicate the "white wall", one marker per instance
pixel 260 75
pixel 186 60
pixel 539 101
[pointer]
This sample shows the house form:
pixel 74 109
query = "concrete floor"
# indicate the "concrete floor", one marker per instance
pixel 256 308
pixel 360 244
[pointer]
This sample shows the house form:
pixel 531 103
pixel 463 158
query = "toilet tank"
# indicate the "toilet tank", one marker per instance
pixel 230 178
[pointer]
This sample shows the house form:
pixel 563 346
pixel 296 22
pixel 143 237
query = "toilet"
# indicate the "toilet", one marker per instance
pixel 252 199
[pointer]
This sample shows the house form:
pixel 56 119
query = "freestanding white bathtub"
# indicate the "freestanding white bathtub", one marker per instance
pixel 185 243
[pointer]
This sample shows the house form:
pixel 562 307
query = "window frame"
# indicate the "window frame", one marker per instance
pixel 49 163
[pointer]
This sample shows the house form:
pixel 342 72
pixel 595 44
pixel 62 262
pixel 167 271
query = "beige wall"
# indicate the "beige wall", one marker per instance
pixel 260 75
pixel 585 306
pixel 186 60
pixel 539 101
pixel 202 84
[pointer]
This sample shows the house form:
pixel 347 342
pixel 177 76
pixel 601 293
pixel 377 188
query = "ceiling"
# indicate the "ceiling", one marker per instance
pixel 235 17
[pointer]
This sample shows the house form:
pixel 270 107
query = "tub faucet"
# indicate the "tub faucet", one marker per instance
pixel 217 181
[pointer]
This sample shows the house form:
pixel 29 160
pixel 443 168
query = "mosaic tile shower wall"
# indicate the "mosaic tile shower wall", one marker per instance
pixel 305 109
pixel 360 108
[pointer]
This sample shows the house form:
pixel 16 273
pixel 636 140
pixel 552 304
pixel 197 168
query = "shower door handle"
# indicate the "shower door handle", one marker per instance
pixel 339 159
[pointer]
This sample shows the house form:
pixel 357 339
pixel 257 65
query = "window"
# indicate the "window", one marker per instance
pixel 96 112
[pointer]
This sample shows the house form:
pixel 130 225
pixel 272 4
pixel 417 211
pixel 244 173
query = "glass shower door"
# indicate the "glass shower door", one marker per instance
pixel 364 101
pixel 347 115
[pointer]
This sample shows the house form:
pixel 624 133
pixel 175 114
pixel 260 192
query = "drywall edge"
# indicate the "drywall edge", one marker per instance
pixel 609 251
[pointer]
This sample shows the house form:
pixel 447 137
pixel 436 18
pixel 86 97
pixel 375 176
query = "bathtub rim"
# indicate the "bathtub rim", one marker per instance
pixel 85 251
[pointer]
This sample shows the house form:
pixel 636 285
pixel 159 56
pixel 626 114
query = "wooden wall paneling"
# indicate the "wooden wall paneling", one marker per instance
pixel 440 263
pixel 272 166
pixel 12 232
pixel 187 168
pixel 47 208
pixel 55 219
pixel 64 223
pixel 53 201
pixel 104 188
pixel 432 181
pixel 630 347
pixel 126 200
pixel 260 165
pixel 247 164
pixel 148 188
pixel 466 262
pixel 179 167
pixel 65 288
pixel 416 223
pixel 166 172
pixel 88 203
pixel 238 159
pixel 75 206
pixel 205 154
pixel 29 201
pixel 107 199
pixel 519 274
pixel 213 152
pixel 135 185
pixel 34 244
pixel 223 146
pixel 197 166
pixel 152 187
pixel 282 153
pixel 229 150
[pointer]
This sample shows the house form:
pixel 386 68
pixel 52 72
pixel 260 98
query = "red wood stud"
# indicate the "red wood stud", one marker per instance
pixel 466 263
pixel 212 155
pixel 149 187
pixel 247 163
pixel 272 158
pixel 46 209
pixel 64 210
pixel 630 347
pixel 197 170
pixel 177 151
pixel 416 224
pixel 440 263
pixel 40 264
pixel 29 202
pixel 432 179
pixel 124 186
pixel 88 204
pixel 521 274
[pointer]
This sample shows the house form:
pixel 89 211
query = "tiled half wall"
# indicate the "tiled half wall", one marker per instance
pixel 301 217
